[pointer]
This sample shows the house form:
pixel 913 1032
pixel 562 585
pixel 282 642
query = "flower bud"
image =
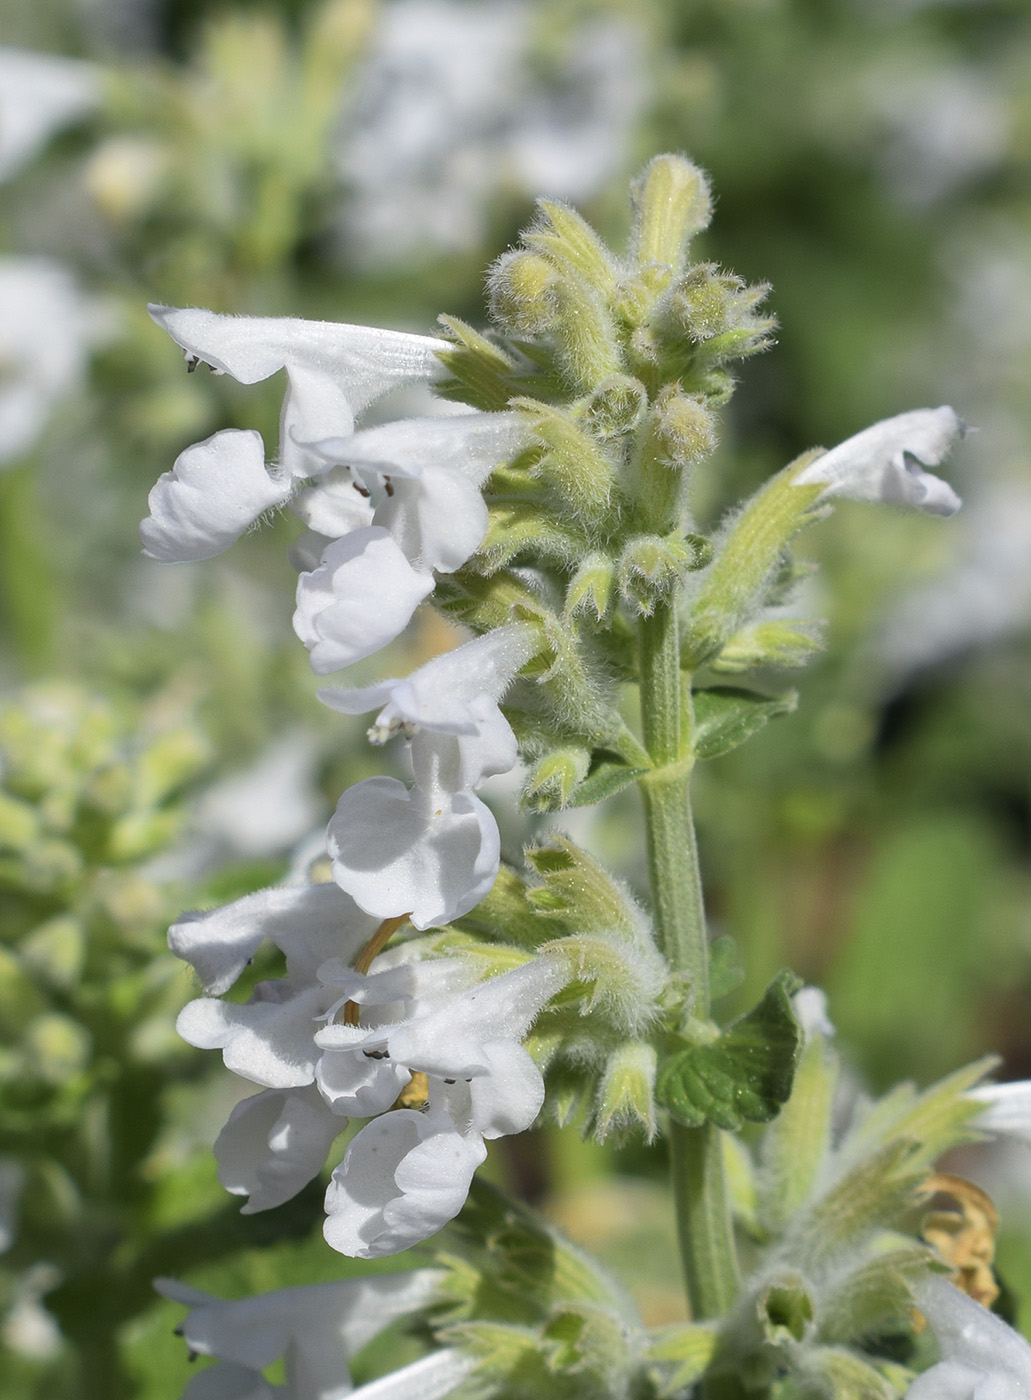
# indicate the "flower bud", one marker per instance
pixel 555 778
pixel 615 408
pixel 651 567
pixel 566 239
pixel 672 202
pixel 626 1094
pixel 521 288
pixel 685 428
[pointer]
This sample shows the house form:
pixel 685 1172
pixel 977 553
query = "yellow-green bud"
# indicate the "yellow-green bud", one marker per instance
pixel 626 1094
pixel 521 290
pixel 19 824
pixel 651 568
pixel 672 202
pixel 615 408
pixel 685 430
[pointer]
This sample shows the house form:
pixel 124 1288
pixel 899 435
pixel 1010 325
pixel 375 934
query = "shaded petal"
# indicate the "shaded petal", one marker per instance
pixel 273 1144
pixel 215 490
pixel 226 1381
pixel 439 519
pixel 508 1098
pixel 269 1042
pixel 313 404
pixel 982 1358
pixel 397 851
pixel 361 597
pixel 354 1084
pixel 364 360
pixel 333 508
pixel 884 463
pixel 404 1176
pixel 430 1378
pixel 470 443
pixel 442 694
pixel 309 923
pixel 326 1323
pixel 1007 1109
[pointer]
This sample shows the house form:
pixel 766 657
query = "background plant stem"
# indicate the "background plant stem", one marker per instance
pixel 704 1223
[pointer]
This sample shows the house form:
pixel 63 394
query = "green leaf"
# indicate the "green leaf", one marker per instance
pixel 746 1074
pixel 606 776
pixel 726 716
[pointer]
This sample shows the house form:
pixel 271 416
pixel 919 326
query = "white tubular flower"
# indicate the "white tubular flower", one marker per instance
pixel 408 1173
pixel 364 360
pixel 333 372
pixel 441 695
pixel 426 474
pixel 361 597
pixel 316 1329
pixel 273 1144
pixel 1007 1110
pixel 885 462
pixel 426 851
pixel 431 850
pixel 982 1358
pixel 215 490
pixel 39 94
pixel 309 923
pixel 403 1177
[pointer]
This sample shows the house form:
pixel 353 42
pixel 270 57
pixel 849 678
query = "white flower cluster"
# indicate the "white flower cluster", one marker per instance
pixel 386 507
pixel 316 1330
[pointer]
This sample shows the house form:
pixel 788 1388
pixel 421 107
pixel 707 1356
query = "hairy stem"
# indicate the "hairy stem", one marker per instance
pixel 696 1160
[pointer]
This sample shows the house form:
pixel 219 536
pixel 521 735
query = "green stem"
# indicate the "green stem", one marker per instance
pixel 696 1158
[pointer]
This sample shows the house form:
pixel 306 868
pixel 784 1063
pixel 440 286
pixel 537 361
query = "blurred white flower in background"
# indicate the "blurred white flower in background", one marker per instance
pixel 456 104
pixel 46 329
pixel 39 94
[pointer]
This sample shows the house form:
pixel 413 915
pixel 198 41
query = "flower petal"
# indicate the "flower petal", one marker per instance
pixel 364 360
pixel 438 519
pixel 397 851
pixel 313 404
pixel 310 923
pixel 404 1176
pixel 884 463
pixel 215 490
pixel 268 1042
pixel 273 1144
pixel 361 597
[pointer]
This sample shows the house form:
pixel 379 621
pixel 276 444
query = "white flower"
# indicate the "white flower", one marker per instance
pixel 408 1173
pixel 810 1006
pixel 215 490
pixel 430 851
pixel 360 597
pixel 333 371
pixel 39 94
pixel 268 807
pixel 425 851
pixel 403 1177
pixel 316 1330
pixel 45 331
pixel 273 1144
pixel 982 1358
pixel 1007 1111
pixel 443 695
pixel 309 923
pixel 885 462
pixel 426 473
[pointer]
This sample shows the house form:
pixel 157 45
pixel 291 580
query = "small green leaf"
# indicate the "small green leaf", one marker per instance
pixel 607 775
pixel 746 1074
pixel 726 716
